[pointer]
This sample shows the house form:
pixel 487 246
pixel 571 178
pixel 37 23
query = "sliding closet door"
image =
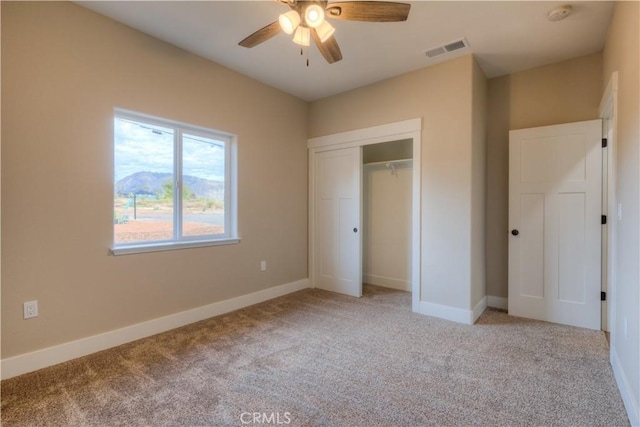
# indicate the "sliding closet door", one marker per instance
pixel 337 244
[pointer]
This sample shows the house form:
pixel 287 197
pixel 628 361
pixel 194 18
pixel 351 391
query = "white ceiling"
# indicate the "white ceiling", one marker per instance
pixel 505 37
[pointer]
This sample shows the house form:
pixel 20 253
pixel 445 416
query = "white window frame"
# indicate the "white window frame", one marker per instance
pixel 230 235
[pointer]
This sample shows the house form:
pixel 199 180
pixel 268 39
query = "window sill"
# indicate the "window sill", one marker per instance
pixel 170 246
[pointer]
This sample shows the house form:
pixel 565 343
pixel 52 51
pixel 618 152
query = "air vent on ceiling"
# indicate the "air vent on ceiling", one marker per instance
pixel 447 48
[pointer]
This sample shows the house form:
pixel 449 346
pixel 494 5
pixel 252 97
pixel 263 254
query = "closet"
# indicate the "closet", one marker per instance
pixel 364 209
pixel 387 175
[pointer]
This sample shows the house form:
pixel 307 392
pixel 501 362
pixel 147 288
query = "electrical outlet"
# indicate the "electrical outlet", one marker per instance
pixel 263 265
pixel 30 309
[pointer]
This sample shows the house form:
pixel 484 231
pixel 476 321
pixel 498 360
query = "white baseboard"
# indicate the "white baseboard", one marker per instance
pixel 630 404
pixel 460 315
pixel 479 308
pixel 387 282
pixel 446 312
pixel 498 302
pixel 28 362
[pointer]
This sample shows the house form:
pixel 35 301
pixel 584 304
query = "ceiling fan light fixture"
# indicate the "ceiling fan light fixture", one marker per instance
pixel 306 20
pixel 325 30
pixel 289 21
pixel 314 15
pixel 302 36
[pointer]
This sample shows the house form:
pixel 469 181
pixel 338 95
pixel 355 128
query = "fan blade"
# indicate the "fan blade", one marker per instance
pixel 262 35
pixel 372 11
pixel 329 49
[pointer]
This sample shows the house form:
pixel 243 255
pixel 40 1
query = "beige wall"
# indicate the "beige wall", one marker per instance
pixel 386 214
pixel 64 69
pixel 442 96
pixel 478 186
pixel 568 91
pixel 621 52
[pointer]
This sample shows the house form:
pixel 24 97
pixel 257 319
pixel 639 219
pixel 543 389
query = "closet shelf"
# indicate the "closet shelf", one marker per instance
pixel 386 162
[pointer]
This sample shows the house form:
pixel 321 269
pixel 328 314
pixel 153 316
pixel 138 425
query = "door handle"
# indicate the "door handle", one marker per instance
pixel 355 230
pixel 515 232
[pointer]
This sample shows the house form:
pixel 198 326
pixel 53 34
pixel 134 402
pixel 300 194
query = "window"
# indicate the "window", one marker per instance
pixel 174 185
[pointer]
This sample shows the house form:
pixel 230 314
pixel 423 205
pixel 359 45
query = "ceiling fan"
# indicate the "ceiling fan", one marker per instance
pixel 306 20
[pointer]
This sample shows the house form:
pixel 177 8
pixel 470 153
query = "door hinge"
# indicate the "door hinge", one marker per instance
pixel 603 296
pixel 603 219
pixel 604 142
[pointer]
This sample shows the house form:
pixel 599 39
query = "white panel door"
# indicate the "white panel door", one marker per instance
pixel 337 243
pixel 555 207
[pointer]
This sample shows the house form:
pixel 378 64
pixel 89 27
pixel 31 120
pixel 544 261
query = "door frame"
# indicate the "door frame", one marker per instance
pixel 608 112
pixel 407 129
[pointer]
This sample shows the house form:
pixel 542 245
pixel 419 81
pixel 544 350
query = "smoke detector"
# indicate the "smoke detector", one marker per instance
pixel 559 13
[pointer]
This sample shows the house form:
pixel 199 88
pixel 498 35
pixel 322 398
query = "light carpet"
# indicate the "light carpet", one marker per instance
pixel 315 358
